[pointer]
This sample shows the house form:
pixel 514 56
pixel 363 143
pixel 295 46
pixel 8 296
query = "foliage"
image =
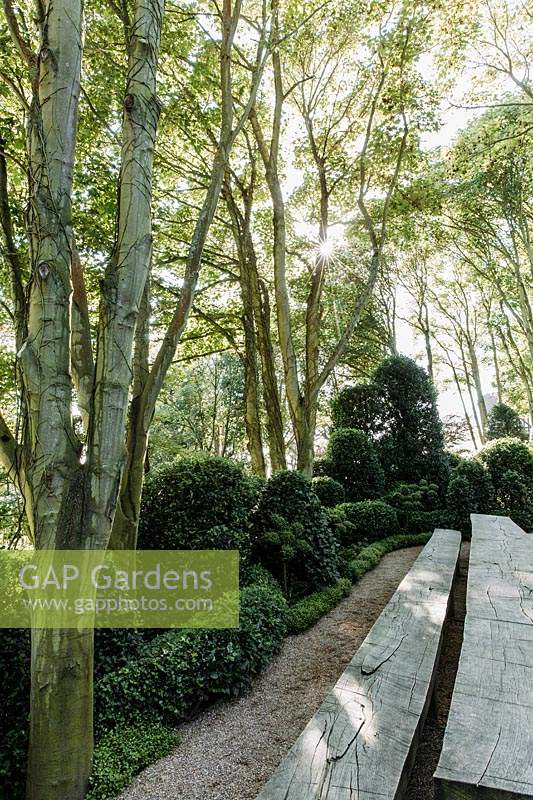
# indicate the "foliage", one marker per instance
pixel 341 528
pixel 412 444
pixel 503 421
pixel 417 506
pixel 357 407
pixel 329 491
pixel 470 491
pixel 510 465
pixel 307 611
pixel 421 496
pixel 369 556
pixel 122 753
pixel 425 521
pixel 181 670
pixel 198 502
pixel 114 647
pixel 291 535
pixel 399 411
pixel 14 711
pixel 258 575
pixel 515 498
pixel 503 455
pixel 369 520
pixel 353 462
pixel 200 410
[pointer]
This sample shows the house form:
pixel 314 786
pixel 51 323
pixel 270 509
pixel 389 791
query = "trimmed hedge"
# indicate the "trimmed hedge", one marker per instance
pixel 306 612
pixel 369 556
pixel 115 647
pixel 368 521
pixel 310 609
pixel 122 753
pixel 182 670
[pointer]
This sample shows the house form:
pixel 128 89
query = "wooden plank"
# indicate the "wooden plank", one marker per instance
pixel 488 744
pixel 359 744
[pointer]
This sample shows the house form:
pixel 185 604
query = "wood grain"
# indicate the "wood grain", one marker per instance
pixel 361 741
pixel 488 745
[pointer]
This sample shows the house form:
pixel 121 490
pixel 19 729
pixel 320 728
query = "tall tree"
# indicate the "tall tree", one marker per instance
pixel 82 493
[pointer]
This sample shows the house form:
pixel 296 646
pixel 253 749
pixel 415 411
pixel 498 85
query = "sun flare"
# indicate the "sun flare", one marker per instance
pixel 326 249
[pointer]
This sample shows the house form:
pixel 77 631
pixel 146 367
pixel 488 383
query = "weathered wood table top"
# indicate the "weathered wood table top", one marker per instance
pixel 488 745
pixel 359 743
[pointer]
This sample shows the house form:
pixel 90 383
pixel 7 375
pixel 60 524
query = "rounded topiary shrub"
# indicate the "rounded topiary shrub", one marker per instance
pixel 368 521
pixel 181 670
pixel 515 499
pixel 195 503
pixel 470 491
pixel 503 421
pixel 321 467
pixel 291 535
pixel 510 465
pixel 412 445
pixel 354 463
pixel 358 407
pixel 506 454
pixel 329 491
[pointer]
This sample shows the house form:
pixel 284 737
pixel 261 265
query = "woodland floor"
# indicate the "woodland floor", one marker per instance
pixel 229 751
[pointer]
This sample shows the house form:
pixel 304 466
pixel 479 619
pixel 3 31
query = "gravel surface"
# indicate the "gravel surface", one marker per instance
pixel 230 750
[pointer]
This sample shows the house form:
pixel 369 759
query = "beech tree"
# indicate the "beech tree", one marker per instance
pixel 82 490
pixel 358 138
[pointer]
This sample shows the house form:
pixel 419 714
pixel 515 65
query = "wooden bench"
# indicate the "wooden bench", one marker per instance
pixel 360 743
pixel 488 744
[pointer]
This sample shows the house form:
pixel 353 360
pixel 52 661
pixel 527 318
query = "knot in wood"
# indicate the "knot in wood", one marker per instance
pixel 128 102
pixel 44 269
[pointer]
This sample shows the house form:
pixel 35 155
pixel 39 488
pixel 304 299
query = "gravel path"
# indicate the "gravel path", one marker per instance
pixel 229 751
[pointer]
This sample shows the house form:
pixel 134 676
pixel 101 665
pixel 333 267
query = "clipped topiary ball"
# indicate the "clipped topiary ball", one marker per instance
pixel 195 503
pixel 470 491
pixel 510 466
pixel 354 463
pixel 329 491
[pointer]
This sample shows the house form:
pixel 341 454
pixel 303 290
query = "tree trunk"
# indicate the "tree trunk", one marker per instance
pixel 479 389
pixel 241 232
pixel 251 384
pixel 271 398
pixel 496 367
pixel 61 724
pixel 74 503
pixel 427 339
pixel 465 409
pixel 126 521
pixel 305 439
pixel 468 382
pixel 255 295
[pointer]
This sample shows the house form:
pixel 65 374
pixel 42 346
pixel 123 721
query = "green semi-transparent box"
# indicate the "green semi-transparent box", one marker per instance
pixel 119 588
